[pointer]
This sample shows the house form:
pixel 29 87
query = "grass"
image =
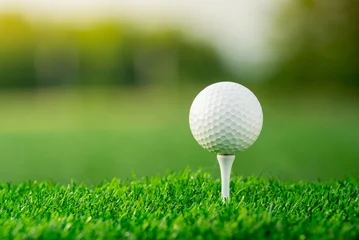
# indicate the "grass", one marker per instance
pixel 93 134
pixel 184 205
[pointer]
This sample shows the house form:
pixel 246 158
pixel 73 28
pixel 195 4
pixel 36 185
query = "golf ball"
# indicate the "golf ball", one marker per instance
pixel 226 118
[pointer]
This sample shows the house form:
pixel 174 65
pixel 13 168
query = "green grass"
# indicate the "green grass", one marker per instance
pixel 185 205
pixel 90 135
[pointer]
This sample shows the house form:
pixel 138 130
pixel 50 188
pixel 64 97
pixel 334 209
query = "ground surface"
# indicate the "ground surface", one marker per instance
pixel 95 134
pixel 180 206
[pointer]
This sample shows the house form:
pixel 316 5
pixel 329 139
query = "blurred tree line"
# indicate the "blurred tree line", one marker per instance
pixel 318 43
pixel 105 53
pixel 314 42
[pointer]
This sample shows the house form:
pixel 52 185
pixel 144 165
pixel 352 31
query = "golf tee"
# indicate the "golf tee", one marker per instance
pixel 225 164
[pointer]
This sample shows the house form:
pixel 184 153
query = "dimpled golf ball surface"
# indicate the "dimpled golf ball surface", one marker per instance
pixel 226 118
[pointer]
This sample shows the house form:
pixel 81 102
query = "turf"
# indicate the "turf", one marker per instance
pixel 184 205
pixel 93 134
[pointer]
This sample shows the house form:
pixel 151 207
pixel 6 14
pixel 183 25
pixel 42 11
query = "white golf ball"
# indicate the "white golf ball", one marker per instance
pixel 226 118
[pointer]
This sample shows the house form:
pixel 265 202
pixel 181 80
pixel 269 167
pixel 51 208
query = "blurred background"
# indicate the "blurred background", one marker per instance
pixel 99 89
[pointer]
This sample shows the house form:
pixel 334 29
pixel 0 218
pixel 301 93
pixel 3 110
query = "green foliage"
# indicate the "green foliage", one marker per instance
pixel 183 205
pixel 319 42
pixel 16 53
pixel 106 53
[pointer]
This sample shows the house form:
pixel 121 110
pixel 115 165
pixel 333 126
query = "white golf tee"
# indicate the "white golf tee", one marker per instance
pixel 225 164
